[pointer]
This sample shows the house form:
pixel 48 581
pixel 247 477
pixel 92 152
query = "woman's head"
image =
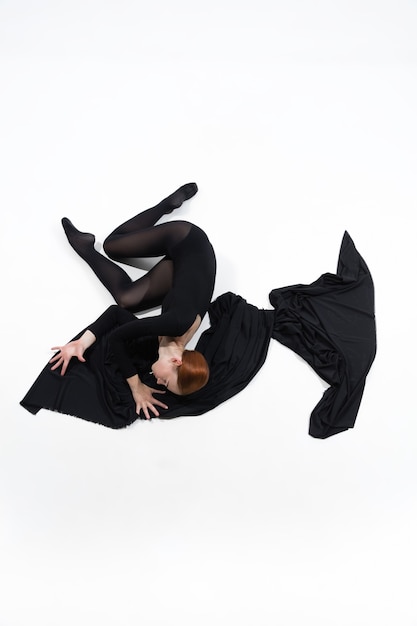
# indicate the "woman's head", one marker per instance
pixel 193 373
pixel 182 376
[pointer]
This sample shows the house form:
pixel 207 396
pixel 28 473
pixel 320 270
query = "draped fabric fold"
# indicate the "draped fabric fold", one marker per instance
pixel 329 323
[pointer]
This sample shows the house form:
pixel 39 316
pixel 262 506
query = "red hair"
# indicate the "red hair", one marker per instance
pixel 193 373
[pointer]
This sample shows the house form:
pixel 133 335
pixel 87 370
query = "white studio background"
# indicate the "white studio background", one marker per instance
pixel 298 121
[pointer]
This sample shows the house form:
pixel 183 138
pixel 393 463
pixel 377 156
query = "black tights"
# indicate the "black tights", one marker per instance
pixel 138 237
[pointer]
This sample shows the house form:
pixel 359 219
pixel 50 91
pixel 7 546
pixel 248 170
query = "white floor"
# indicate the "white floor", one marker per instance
pixel 298 121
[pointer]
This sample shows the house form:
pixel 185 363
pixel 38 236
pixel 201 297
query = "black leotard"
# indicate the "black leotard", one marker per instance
pixel 194 269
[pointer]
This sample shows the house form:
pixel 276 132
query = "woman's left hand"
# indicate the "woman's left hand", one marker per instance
pixel 145 401
pixel 143 397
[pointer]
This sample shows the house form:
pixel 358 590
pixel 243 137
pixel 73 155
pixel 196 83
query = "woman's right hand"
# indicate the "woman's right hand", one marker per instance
pixel 73 348
pixel 65 354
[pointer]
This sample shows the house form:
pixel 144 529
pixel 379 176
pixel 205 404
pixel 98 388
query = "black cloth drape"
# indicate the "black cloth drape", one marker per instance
pixel 329 323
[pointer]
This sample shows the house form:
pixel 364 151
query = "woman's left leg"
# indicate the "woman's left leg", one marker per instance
pixel 148 218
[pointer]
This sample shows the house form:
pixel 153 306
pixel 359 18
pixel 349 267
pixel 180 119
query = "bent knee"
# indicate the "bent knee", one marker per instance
pixel 110 248
pixel 125 302
pixel 128 301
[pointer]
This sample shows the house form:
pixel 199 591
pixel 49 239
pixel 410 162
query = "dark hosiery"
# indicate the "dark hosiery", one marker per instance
pixel 151 216
pixel 138 237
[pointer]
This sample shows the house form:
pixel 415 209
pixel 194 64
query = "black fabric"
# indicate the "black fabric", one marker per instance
pixel 329 323
pixel 235 347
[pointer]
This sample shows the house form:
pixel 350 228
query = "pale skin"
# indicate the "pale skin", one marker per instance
pixel 165 369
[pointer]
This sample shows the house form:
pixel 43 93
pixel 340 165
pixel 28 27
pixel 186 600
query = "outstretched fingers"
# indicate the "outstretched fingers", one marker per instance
pixel 147 405
pixel 65 354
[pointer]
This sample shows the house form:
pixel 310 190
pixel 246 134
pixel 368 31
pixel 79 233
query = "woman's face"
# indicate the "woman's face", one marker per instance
pixel 165 371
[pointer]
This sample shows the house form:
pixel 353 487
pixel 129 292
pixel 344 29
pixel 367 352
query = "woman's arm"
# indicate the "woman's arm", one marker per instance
pixel 167 324
pixel 112 317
